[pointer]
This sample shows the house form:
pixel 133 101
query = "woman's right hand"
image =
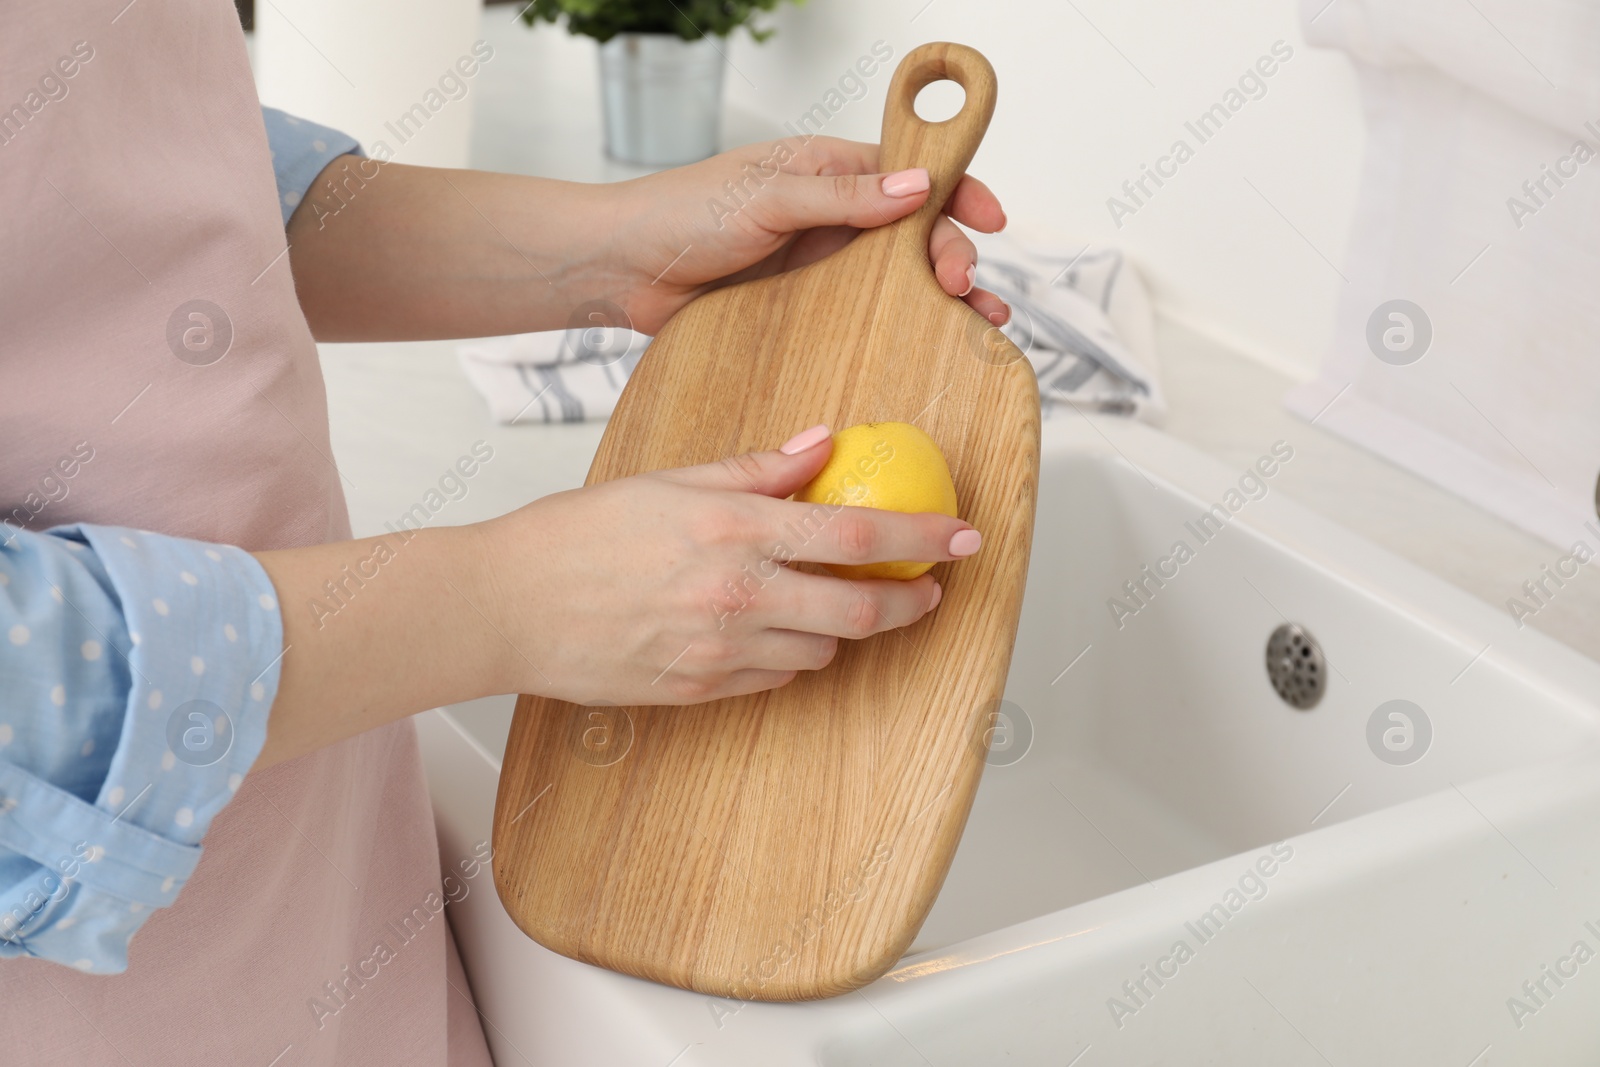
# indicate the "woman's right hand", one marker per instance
pixel 668 587
pixel 663 588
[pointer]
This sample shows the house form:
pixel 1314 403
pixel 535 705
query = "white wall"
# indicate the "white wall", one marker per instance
pixel 1076 119
pixel 359 65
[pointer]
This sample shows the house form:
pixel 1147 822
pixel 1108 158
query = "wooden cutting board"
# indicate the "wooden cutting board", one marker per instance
pixel 788 845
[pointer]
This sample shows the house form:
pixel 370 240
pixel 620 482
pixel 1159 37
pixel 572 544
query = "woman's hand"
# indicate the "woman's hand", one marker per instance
pixel 663 588
pixel 394 252
pixel 670 588
pixel 791 202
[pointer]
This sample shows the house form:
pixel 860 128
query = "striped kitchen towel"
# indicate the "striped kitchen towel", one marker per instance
pixel 1082 316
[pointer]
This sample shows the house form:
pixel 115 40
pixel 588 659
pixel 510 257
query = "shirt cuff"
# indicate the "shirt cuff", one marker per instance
pixel 205 644
pixel 301 150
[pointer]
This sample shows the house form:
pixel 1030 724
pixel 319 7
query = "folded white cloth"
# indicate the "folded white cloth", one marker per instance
pixel 1084 318
pixel 1480 210
pixel 554 376
pixel 1081 314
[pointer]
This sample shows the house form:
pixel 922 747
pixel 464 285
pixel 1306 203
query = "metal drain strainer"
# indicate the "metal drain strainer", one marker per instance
pixel 1295 666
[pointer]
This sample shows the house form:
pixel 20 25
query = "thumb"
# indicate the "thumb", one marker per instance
pixel 859 200
pixel 776 473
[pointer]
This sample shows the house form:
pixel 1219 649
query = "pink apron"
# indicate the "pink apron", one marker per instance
pixel 134 181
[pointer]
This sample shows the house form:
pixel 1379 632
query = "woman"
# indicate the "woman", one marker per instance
pixel 171 504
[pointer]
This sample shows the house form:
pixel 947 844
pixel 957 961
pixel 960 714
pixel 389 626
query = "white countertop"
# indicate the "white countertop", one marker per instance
pixel 402 413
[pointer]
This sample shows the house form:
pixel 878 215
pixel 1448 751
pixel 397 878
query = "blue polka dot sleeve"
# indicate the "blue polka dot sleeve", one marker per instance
pixel 137 671
pixel 300 151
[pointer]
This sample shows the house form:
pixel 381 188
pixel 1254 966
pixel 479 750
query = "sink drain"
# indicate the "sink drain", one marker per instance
pixel 1295 666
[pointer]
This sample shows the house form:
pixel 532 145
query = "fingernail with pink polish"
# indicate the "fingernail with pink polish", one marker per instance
pixel 804 439
pixel 938 595
pixel 965 543
pixel 906 182
pixel 972 279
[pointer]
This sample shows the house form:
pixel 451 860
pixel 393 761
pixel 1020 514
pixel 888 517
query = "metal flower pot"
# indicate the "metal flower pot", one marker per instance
pixel 662 98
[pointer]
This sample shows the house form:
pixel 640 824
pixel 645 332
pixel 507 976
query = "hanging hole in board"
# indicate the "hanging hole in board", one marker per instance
pixel 939 100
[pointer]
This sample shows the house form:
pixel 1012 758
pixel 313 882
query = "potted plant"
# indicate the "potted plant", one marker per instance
pixel 660 70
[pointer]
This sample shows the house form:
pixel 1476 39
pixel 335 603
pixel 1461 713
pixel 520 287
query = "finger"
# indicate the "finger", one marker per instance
pixel 776 472
pixel 989 306
pixel 744 682
pixel 972 204
pixel 787 650
pixel 830 155
pixel 822 604
pixel 954 257
pixel 823 533
pixel 792 202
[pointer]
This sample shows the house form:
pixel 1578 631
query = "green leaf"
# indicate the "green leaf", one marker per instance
pixel 688 19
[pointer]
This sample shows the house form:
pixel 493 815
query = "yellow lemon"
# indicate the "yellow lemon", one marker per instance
pixel 888 465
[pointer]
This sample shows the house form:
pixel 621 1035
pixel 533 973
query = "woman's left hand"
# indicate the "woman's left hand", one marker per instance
pixel 681 232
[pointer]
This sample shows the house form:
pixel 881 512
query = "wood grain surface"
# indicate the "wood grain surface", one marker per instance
pixel 788 845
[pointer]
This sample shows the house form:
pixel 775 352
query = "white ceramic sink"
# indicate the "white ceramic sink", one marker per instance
pixel 1344 892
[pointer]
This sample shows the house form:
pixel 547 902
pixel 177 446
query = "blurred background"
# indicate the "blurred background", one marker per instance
pixel 1363 226
pixel 1088 94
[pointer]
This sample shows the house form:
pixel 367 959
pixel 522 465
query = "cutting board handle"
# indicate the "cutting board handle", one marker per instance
pixel 945 148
